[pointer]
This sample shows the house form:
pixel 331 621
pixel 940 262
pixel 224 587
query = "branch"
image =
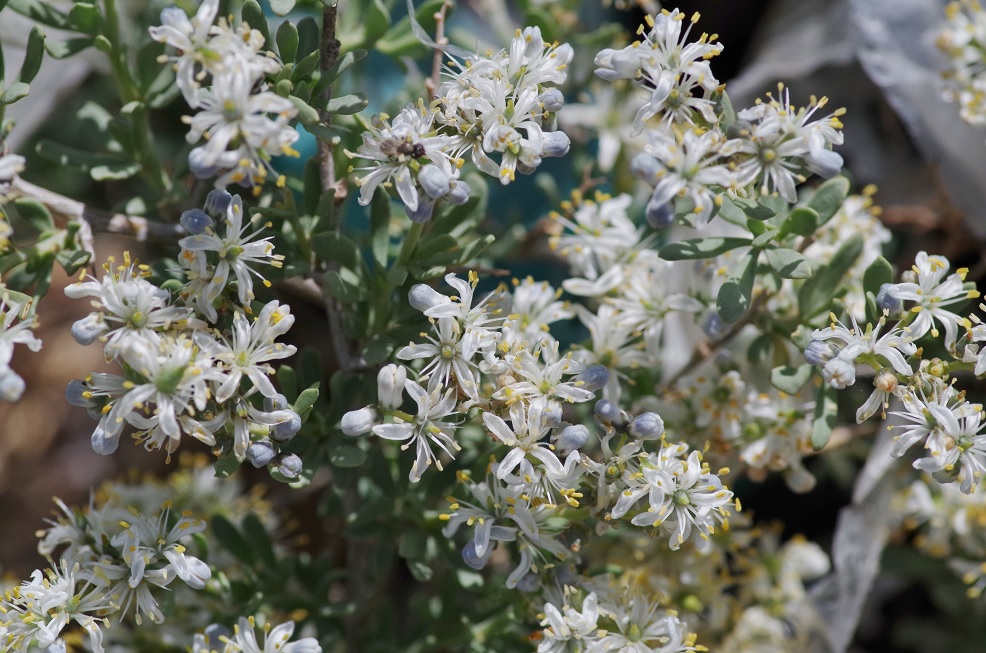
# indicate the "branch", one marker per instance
pixel 431 85
pixel 93 220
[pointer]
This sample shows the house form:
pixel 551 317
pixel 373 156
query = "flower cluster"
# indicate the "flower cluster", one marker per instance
pixel 244 123
pixel 244 639
pixel 501 105
pixel 187 368
pixel 963 39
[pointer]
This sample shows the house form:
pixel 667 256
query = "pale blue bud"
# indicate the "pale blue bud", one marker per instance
pixel 646 426
pixel 215 632
pixel 529 583
pixel 422 297
pixel 609 414
pixel 471 559
pixel 74 394
pixel 289 466
pixel 571 438
pixel 887 301
pixel 819 352
pixel 593 378
pixel 284 431
pixel 434 181
pixel 458 193
pixel 357 422
pixel 659 214
pixel 277 402
pixel 424 211
pixel 196 221
pixel 217 201
pixel 103 443
pixel 713 326
pixel 260 453
pixel 646 168
pixel 555 144
pixel 197 164
pixel 87 330
pixel 553 100
pixel 552 415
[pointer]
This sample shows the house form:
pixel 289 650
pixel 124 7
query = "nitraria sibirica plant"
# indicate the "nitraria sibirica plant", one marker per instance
pixel 457 459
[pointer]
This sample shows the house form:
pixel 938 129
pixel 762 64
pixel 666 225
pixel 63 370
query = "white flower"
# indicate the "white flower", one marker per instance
pixel 429 427
pixel 244 639
pixel 393 147
pixel 568 627
pixel 540 382
pixel 643 627
pixel 448 355
pixel 614 344
pixel 932 295
pixel 11 383
pixel 601 235
pixel 235 251
pixel 534 307
pixel 892 347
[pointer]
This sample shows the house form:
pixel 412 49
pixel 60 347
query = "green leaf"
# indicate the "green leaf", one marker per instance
pixel 421 572
pixel 752 209
pixel 86 18
pixel 231 539
pixel 400 40
pixel 435 245
pixel 731 304
pixel 287 380
pixel 826 409
pixel 72 260
pixel 307 114
pixel 308 39
pixel 790 379
pixel 253 15
pixel 412 544
pixel 727 115
pixel 347 455
pixel 377 350
pixel 77 158
pixel 305 67
pixel 376 23
pixel 68 47
pixel 259 539
pixel 344 63
pixel 347 104
pixel 41 11
pixel 816 294
pixel 760 348
pixel 335 247
pixel 788 263
pixel 764 239
pixel 34 53
pixel 801 221
pixel 14 92
pixel 698 248
pixel 287 41
pixel 325 210
pixel 32 212
pixel 305 401
pixel 282 7
pixel 877 273
pixel 828 198
pixel 345 285
pixel 380 227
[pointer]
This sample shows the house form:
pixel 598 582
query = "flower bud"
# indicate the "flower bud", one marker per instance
pixel 277 402
pixel 571 438
pixel 422 297
pixel 646 168
pixel 839 373
pixel 434 181
pixel 423 212
pixel 819 352
pixel 284 431
pixel 75 393
pixel 475 561
pixel 260 453
pixel 713 326
pixel 104 443
pixel 358 422
pixel 459 193
pixel 646 426
pixel 390 385
pixel 201 164
pixel 821 160
pixel 289 466
pixel 195 221
pixel 215 632
pixel 593 378
pixel 87 330
pixel 11 385
pixel 552 415
pixel 217 201
pixel 659 215
pixel 529 582
pixel 609 414
pixel 552 100
pixel 886 300
pixel 555 144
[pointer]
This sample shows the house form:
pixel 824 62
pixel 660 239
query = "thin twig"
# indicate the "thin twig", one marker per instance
pixel 431 84
pixel 66 210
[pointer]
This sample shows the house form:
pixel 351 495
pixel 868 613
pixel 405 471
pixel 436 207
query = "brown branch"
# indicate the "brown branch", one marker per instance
pixel 431 84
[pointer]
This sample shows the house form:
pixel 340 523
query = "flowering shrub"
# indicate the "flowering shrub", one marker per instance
pixel 553 464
